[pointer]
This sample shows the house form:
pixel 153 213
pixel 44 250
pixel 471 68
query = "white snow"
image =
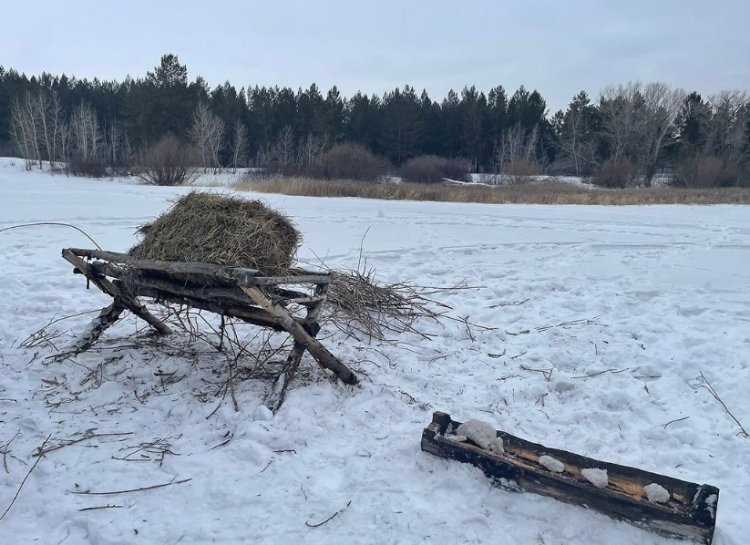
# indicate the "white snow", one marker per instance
pixel 667 286
pixel 551 464
pixel 496 445
pixel 597 477
pixel 656 493
pixel 482 433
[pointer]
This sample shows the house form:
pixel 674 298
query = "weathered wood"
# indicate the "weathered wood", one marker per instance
pixel 106 317
pixel 300 335
pixel 135 280
pixel 120 297
pixel 690 512
pixel 249 314
pixel 235 275
pixel 246 294
pixel 277 394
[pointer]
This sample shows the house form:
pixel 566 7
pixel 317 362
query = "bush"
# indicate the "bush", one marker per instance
pixel 169 162
pixel 518 171
pixel 616 173
pixel 431 169
pixel 705 171
pixel 91 168
pixel 351 162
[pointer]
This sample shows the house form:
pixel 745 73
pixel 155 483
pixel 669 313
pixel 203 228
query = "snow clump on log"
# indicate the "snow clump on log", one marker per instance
pixel 551 464
pixel 597 477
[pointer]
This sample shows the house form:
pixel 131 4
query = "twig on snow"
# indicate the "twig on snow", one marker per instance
pixel 141 489
pixel 23 482
pixel 612 370
pixel 585 321
pixel 703 381
pixel 319 524
pixel 86 436
pixel 675 420
pixel 5 449
pixel 101 507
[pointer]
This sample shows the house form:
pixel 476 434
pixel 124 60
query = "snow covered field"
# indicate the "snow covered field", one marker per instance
pixel 658 294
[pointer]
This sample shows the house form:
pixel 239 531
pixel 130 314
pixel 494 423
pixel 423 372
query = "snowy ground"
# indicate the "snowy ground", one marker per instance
pixel 662 291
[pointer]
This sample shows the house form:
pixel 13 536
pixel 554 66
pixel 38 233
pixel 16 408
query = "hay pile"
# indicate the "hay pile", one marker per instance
pixel 221 229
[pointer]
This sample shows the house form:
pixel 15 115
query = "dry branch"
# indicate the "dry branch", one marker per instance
pixel 703 381
pixel 23 482
pixel 128 491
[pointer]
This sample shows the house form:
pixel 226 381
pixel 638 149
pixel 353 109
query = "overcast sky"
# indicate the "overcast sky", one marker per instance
pixel 558 47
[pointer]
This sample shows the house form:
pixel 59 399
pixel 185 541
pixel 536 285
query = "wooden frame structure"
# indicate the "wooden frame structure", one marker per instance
pixel 689 513
pixel 246 294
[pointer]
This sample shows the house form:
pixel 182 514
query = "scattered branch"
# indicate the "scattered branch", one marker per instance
pixel 703 381
pixel 128 491
pixel 4 449
pixel 23 482
pixel 675 420
pixel 89 434
pixel 319 524
pixel 572 323
pixel 101 507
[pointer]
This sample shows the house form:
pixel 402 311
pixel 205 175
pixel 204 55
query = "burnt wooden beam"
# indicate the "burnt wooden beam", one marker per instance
pixel 689 513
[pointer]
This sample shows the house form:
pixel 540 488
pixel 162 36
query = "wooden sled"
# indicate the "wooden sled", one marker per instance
pixel 246 294
pixel 689 513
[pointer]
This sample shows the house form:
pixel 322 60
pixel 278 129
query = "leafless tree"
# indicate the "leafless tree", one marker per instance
pixel 239 139
pixel 85 133
pixel 516 145
pixel 311 149
pixel 207 133
pixel 662 106
pixel 283 149
pixel 637 119
pixel 727 133
pixel 24 130
pixel 37 126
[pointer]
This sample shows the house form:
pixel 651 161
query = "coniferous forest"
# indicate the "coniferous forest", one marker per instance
pixel 626 134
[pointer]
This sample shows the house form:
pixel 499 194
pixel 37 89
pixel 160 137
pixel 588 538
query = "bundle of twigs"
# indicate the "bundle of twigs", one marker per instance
pixel 363 308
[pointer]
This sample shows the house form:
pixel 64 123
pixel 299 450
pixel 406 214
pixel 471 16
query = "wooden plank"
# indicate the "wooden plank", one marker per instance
pixel 122 298
pixel 106 317
pixel 295 329
pixel 276 396
pixel 690 513
pixel 242 276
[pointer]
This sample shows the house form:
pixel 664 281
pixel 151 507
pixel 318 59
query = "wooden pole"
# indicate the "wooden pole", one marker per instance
pixel 300 335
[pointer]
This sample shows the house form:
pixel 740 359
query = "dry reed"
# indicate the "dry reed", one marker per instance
pixel 550 192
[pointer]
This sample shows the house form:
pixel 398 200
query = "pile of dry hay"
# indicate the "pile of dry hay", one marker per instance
pixel 222 229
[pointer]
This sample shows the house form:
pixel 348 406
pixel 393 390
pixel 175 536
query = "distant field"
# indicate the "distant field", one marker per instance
pixel 549 192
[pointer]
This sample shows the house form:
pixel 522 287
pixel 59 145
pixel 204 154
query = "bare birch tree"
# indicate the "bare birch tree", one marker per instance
pixel 239 142
pixel 207 133
pixel 85 133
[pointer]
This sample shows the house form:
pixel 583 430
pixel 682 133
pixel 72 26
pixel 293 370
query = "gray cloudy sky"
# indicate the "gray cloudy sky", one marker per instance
pixel 557 47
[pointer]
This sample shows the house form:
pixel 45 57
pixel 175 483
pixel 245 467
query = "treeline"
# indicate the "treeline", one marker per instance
pixel 627 136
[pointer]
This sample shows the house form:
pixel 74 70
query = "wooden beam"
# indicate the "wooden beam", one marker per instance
pixel 300 335
pixel 689 513
pixel 120 297
pixel 277 394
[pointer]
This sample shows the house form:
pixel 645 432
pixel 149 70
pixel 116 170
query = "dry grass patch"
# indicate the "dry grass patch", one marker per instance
pixel 530 193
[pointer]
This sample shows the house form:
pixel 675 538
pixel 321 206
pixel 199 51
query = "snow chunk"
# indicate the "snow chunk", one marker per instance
pixel 597 477
pixel 656 493
pixel 551 464
pixel 262 413
pixel 496 445
pixel 482 433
